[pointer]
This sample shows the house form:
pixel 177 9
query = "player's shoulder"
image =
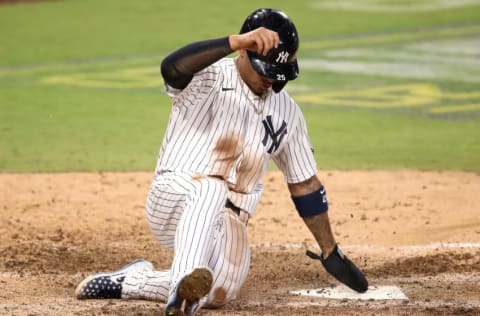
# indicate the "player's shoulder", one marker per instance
pixel 282 107
pixel 225 64
pixel 218 67
pixel 283 98
pixel 224 68
pixel 213 72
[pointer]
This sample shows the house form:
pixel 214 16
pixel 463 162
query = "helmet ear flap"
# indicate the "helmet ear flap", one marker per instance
pixel 277 86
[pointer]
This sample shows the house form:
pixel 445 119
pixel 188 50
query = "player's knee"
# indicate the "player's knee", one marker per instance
pixel 220 296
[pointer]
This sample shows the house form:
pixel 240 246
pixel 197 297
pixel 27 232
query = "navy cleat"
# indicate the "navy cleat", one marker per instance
pixel 109 285
pixel 190 290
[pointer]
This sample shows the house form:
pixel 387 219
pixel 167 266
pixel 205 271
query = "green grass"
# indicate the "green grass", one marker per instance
pixel 80 89
pixel 78 30
pixel 349 140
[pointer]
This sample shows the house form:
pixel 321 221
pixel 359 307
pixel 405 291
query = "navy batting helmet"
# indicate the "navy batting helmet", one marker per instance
pixel 280 63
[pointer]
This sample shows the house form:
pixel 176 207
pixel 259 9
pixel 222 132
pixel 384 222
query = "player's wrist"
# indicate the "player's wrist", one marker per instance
pixel 233 40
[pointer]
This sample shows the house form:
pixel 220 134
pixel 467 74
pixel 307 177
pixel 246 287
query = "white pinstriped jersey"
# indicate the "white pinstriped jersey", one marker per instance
pixel 218 127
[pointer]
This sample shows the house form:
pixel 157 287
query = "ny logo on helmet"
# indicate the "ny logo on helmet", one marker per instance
pixel 282 57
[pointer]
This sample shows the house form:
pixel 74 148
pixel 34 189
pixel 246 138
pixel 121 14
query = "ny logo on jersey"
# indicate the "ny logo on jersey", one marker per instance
pixel 282 57
pixel 276 136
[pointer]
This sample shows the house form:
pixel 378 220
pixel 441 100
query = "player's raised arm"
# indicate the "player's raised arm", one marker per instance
pixel 179 67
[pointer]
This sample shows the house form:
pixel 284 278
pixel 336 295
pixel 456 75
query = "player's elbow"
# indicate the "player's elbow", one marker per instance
pixel 172 76
pixel 168 70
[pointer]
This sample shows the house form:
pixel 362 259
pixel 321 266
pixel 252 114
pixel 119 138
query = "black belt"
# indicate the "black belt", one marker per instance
pixel 234 208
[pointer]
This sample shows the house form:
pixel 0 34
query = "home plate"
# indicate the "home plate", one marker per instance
pixel 342 292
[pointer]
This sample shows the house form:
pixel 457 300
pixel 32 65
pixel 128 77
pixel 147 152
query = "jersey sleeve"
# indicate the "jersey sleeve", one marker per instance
pixel 197 89
pixel 296 159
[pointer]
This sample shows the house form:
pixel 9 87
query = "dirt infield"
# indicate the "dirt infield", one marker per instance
pixel 419 231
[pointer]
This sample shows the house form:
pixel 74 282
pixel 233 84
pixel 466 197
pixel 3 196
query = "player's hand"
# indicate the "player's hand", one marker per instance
pixel 260 40
pixel 344 270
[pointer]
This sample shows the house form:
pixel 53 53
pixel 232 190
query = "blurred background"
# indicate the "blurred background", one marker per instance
pixel 383 84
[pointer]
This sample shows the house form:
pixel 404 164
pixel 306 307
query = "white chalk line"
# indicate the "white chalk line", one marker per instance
pixel 283 245
pixel 410 248
pixel 287 245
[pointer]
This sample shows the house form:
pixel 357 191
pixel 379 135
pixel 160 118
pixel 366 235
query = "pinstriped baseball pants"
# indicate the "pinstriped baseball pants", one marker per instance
pixel 188 215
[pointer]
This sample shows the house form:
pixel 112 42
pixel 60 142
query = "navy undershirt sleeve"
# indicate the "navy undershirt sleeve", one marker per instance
pixel 179 67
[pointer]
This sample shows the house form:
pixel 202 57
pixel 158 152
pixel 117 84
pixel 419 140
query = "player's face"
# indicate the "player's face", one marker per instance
pixel 257 83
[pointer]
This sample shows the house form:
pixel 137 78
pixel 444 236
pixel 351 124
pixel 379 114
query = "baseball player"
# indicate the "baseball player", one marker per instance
pixel 229 117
